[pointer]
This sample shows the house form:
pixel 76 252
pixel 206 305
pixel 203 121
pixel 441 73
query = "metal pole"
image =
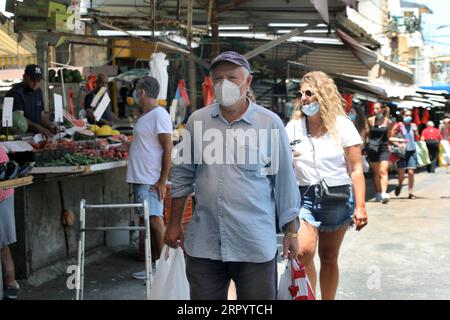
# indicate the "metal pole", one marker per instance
pixel 83 246
pixel 80 249
pixel 148 256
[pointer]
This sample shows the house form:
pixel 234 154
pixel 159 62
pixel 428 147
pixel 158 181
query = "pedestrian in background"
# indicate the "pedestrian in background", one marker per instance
pixel 379 128
pixel 7 237
pixel 445 136
pixel 404 135
pixel 150 159
pixel 327 160
pixel 431 137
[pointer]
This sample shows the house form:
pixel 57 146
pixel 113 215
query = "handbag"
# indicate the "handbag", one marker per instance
pixel 332 189
pixel 399 151
pixel 335 189
pixel 373 145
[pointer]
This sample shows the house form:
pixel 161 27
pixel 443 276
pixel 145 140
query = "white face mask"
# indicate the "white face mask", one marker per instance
pixel 228 93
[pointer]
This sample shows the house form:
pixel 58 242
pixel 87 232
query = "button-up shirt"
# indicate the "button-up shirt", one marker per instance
pixel 236 201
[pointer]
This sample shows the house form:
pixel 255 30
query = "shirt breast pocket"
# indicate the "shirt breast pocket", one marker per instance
pixel 248 159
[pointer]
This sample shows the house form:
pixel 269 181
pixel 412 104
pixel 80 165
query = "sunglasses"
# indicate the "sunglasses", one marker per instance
pixel 307 93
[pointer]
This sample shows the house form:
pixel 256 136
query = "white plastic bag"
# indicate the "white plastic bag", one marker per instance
pixel 365 164
pixel 170 281
pixel 285 283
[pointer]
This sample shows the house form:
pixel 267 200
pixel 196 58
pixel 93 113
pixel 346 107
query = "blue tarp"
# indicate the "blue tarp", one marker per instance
pixel 438 87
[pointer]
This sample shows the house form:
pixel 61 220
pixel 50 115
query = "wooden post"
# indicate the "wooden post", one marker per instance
pixel 42 60
pixel 215 30
pixel 192 74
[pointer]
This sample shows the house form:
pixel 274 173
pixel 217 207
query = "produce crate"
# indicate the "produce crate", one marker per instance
pixel 58 22
pixel 16 183
pixel 40 9
pixel 48 155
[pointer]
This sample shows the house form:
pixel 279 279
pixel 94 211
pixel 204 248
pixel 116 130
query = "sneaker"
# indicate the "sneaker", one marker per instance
pixel 139 275
pixel 411 196
pixel 378 197
pixel 10 293
pixel 385 198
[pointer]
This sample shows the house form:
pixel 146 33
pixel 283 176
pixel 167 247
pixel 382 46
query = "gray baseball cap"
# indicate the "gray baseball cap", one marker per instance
pixel 232 57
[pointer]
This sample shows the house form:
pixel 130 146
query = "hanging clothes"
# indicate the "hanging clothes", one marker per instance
pixel 208 91
pixel 158 70
pixel 416 117
pixel 348 101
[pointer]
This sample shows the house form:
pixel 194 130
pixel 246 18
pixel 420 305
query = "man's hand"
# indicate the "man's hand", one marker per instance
pixel 290 240
pixel 174 236
pixel 160 188
pixel 45 132
pixel 290 246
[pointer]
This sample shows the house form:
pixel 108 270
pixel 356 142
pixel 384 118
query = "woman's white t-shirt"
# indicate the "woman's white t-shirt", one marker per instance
pixel 330 160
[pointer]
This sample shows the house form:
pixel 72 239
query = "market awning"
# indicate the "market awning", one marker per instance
pixel 370 58
pixel 396 68
pixel 382 90
pixel 15 53
pixel 366 56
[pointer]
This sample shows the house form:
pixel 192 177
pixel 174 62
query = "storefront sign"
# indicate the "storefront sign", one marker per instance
pixel 7 118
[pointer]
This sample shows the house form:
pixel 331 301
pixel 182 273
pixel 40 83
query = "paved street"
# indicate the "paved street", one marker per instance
pixel 406 244
pixel 404 253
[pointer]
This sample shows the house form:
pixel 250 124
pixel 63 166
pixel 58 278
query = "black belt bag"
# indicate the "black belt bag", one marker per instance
pixel 335 189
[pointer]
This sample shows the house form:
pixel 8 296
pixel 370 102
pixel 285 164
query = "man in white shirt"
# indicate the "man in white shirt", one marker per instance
pixel 150 157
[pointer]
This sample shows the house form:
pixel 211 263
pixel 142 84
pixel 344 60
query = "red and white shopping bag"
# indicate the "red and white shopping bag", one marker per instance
pixel 294 283
pixel 300 288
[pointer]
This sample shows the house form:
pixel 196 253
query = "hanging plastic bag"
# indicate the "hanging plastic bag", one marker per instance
pixel 208 91
pixel 444 153
pixel 365 164
pixel 170 281
pixel 423 157
pixel 294 283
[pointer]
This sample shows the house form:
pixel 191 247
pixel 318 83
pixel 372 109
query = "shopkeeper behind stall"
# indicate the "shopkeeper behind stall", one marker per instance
pixel 107 117
pixel 28 98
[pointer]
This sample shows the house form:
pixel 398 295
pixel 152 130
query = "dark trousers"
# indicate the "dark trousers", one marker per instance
pixel 433 150
pixel 210 279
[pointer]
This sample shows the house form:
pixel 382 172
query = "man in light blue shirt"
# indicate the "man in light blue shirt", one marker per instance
pixel 236 157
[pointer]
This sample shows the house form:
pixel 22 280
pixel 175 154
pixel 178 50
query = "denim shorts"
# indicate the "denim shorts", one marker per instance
pixel 141 192
pixel 409 161
pixel 325 216
pixel 7 223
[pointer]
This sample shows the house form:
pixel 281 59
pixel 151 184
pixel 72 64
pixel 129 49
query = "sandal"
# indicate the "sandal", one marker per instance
pixel 398 189
pixel 411 196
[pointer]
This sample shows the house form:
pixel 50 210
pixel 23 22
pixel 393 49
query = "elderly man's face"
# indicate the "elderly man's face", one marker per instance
pixel 233 73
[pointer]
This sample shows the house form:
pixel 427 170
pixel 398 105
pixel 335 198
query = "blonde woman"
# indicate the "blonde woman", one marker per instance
pixel 329 171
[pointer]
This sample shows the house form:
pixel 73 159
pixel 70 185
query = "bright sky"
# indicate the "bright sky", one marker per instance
pixel 438 37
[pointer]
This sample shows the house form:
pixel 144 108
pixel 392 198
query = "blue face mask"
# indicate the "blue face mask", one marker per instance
pixel 352 116
pixel 407 119
pixel 311 109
